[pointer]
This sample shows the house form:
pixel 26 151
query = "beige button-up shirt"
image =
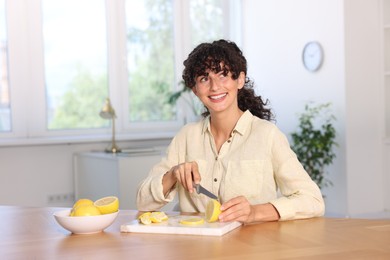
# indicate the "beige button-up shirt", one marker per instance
pixel 255 162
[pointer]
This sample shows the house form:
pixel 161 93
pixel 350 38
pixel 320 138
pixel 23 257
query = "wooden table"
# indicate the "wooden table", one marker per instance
pixel 33 233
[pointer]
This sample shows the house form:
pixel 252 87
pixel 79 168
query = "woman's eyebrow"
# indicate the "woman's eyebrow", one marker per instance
pixel 203 74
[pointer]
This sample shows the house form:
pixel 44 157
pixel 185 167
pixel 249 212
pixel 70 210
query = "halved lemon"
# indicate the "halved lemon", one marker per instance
pixel 192 221
pixel 86 210
pixel 107 205
pixel 213 210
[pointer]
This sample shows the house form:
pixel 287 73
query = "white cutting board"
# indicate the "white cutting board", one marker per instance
pixel 172 226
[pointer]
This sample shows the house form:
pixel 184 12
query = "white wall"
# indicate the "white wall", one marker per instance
pixel 366 184
pixel 275 32
pixel 29 175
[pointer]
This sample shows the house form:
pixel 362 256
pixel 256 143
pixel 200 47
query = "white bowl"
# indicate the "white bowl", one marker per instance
pixel 84 225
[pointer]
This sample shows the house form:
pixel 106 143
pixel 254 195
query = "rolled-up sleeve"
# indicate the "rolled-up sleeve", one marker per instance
pixel 150 194
pixel 301 196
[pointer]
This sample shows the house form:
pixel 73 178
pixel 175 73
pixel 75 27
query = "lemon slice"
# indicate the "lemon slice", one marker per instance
pixel 86 210
pixel 192 221
pixel 145 218
pixel 213 210
pixel 107 205
pixel 162 215
pixel 152 217
pixel 158 216
pixel 144 214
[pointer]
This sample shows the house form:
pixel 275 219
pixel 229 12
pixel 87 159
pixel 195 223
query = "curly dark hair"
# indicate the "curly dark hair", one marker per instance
pixel 210 56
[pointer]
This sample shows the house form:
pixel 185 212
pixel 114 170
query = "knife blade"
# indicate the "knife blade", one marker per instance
pixel 200 189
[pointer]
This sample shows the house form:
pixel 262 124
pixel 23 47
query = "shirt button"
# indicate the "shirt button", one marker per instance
pixel 216 158
pixel 229 141
pixel 215 179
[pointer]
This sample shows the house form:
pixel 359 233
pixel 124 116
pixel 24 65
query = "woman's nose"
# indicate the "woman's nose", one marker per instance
pixel 214 83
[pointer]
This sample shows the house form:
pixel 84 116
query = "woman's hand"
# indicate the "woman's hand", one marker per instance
pixel 186 174
pixel 239 209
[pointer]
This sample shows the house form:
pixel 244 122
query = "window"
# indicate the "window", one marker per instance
pixel 75 62
pixel 74 54
pixel 5 111
pixel 150 33
pixel 206 16
pixel 150 59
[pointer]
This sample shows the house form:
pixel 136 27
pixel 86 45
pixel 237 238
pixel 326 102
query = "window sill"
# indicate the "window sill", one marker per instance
pixel 80 139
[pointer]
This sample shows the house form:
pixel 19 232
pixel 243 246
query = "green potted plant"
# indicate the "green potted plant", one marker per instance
pixel 314 141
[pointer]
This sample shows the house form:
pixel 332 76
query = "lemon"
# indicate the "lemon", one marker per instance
pixel 86 210
pixel 192 221
pixel 144 214
pixel 152 217
pixel 213 210
pixel 158 216
pixel 107 205
pixel 79 203
pixel 145 218
pixel 82 202
pixel 164 216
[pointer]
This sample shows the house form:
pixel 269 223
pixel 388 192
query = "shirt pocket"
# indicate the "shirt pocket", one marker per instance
pixel 244 178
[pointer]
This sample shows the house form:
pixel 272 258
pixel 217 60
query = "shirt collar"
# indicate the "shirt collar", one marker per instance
pixel 206 124
pixel 242 124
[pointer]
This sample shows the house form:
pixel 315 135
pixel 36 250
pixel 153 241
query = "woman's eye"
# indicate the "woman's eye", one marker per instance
pixel 203 79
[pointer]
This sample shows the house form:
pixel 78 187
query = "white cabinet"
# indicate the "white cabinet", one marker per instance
pixel 99 174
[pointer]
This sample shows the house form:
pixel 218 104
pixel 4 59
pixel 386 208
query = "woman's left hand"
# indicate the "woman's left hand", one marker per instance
pixel 237 209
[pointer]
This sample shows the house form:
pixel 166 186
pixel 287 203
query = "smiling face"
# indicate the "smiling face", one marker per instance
pixel 218 90
pixel 215 72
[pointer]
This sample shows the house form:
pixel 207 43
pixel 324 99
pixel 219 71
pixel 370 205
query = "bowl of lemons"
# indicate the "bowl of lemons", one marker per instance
pixel 87 216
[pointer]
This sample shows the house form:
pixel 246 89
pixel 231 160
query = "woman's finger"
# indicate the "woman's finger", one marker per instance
pixel 195 173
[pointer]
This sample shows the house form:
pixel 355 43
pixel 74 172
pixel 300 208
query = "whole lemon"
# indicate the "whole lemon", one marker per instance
pixel 82 202
pixel 79 203
pixel 86 210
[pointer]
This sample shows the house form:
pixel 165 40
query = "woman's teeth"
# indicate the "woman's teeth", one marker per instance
pixel 218 97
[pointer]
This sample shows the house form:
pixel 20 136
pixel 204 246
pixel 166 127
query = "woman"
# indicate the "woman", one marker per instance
pixel 235 151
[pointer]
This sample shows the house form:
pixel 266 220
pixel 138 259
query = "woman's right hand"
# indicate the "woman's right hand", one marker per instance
pixel 186 174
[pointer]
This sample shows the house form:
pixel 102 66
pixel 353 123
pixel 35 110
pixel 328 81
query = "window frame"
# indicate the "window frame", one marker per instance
pixel 27 80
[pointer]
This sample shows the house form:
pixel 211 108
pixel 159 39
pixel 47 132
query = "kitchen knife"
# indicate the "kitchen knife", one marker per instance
pixel 200 189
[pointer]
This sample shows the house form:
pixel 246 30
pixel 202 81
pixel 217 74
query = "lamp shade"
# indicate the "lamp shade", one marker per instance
pixel 107 112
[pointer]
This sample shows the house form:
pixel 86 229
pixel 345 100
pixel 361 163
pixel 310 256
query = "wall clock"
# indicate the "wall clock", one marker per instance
pixel 312 56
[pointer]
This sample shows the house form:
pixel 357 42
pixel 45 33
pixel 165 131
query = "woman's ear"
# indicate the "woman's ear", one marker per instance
pixel 241 80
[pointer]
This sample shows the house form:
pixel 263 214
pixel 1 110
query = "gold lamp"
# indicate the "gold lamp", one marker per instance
pixel 108 112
